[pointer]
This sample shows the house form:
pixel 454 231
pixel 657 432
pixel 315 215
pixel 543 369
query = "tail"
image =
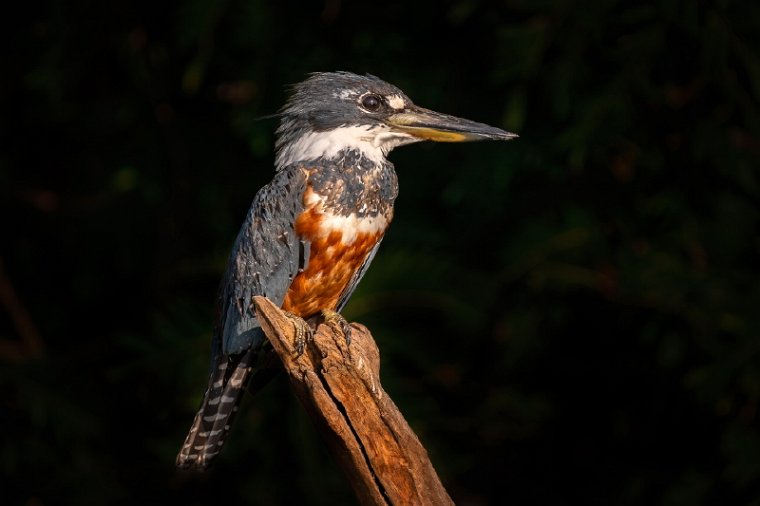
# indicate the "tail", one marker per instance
pixel 214 418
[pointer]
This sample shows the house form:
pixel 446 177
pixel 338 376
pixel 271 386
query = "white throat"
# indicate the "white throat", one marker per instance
pixel 374 142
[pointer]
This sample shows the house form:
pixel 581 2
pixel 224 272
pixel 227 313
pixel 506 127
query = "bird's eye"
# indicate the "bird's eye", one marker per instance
pixel 371 102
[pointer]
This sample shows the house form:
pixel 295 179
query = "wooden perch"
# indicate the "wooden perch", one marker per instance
pixel 339 386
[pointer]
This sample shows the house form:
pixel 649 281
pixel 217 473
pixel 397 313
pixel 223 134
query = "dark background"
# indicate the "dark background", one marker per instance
pixel 570 318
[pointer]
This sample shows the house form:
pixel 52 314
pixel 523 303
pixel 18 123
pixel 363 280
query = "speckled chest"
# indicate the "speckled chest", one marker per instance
pixel 354 186
pixel 348 205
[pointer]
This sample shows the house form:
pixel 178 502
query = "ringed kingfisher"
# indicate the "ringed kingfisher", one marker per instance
pixel 311 233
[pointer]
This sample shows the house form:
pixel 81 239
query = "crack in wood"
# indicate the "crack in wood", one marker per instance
pixel 340 389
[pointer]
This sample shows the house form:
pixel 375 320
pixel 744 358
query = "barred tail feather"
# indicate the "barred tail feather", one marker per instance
pixel 220 404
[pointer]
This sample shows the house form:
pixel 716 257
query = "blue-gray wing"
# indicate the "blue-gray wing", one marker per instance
pixel 265 258
pixel 267 255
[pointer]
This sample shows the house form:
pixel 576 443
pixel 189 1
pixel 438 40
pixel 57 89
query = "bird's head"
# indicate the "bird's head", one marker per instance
pixel 334 111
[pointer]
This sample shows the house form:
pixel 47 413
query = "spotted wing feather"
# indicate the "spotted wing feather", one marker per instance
pixel 265 258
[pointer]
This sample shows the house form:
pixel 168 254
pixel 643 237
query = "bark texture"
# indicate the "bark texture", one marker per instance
pixel 339 386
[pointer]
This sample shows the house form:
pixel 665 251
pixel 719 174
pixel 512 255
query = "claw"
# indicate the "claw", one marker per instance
pixel 336 321
pixel 303 332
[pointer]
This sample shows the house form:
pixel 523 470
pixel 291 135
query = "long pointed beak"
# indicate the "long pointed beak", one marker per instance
pixel 434 126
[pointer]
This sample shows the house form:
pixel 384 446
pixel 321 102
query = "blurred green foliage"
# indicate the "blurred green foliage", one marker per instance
pixel 570 318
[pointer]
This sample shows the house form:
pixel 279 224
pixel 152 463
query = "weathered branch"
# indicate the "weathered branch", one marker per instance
pixel 339 386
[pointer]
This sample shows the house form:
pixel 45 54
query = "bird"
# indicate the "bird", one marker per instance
pixel 312 232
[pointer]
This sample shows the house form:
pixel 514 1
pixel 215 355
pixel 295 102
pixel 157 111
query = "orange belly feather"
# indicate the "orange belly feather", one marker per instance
pixel 337 253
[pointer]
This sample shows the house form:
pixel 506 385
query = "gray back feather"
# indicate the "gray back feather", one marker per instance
pixel 265 258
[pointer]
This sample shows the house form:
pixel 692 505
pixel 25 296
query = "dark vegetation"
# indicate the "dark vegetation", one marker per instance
pixel 570 318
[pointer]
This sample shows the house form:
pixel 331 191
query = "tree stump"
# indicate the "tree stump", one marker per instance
pixel 339 385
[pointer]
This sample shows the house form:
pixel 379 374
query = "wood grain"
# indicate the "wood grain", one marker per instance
pixel 339 385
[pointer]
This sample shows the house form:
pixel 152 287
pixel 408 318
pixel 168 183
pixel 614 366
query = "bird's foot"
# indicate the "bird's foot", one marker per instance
pixel 337 322
pixel 304 334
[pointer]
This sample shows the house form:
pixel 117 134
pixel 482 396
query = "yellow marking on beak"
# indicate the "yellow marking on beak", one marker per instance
pixel 433 126
pixel 432 134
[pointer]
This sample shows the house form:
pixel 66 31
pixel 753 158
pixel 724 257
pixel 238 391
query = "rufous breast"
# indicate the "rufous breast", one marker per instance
pixel 340 245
